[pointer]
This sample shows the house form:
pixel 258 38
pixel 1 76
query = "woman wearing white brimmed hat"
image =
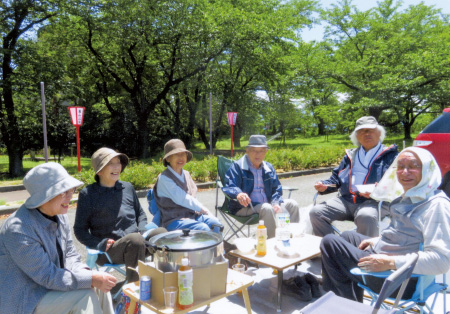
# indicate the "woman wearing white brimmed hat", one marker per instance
pixel 109 216
pixel 175 193
pixel 40 270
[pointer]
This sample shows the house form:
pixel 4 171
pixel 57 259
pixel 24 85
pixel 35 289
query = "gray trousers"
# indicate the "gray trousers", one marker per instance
pixel 267 214
pixel 365 216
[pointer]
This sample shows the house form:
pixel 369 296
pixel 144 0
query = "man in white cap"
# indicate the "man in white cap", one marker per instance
pixel 363 165
pixel 253 181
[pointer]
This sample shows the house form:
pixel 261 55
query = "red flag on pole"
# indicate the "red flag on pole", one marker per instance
pixel 232 121
pixel 77 114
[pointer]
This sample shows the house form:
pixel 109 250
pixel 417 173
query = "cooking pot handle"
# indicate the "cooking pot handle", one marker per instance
pixel 150 247
pixel 186 232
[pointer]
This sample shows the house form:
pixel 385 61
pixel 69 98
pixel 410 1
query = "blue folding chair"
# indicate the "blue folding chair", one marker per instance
pixel 153 208
pixel 425 288
pixel 91 260
pixel 331 303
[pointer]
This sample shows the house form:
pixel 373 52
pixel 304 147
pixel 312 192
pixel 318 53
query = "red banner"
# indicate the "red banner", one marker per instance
pixel 232 118
pixel 77 114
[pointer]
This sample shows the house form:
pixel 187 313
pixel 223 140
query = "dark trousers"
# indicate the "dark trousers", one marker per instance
pixel 339 255
pixel 127 250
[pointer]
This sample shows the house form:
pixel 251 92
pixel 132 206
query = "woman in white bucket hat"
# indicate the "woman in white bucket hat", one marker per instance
pixel 40 270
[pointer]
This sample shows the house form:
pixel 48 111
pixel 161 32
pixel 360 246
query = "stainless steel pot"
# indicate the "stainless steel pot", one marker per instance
pixel 202 248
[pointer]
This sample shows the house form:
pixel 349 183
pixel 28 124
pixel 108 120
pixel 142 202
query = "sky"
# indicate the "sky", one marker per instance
pixel 316 33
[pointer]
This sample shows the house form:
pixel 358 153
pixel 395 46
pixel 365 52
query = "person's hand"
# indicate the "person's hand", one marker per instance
pixel 276 208
pixel 103 281
pixel 205 211
pixel 366 195
pixel 243 199
pixel 320 187
pixel 367 243
pixel 109 243
pixel 377 263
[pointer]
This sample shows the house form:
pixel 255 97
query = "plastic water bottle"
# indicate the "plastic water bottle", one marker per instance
pixel 185 283
pixel 261 238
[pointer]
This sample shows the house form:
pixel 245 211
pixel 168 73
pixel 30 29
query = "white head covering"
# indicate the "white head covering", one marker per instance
pixel 389 188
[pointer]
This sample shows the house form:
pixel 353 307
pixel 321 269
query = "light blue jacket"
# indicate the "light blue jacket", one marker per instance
pixel 29 260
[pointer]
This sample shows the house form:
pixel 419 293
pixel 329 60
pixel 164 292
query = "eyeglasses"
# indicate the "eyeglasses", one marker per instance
pixel 68 193
pixel 410 168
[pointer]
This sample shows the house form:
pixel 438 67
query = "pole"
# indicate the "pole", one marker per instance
pixel 78 148
pixel 231 140
pixel 210 125
pixel 44 122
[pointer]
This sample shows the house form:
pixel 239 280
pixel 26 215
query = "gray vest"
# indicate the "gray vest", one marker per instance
pixel 171 211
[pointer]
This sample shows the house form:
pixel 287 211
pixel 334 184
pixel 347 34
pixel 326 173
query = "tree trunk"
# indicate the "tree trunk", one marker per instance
pixel 15 156
pixel 237 135
pixel 203 137
pixel 143 133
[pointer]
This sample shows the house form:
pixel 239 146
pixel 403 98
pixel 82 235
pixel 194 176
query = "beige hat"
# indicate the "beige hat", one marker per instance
pixel 173 147
pixel 104 155
pixel 46 181
pixel 367 122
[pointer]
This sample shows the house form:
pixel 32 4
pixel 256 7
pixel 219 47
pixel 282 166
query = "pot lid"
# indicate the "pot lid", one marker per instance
pixel 186 240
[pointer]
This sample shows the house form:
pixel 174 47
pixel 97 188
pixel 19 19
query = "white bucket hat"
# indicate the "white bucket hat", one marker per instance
pixel 46 181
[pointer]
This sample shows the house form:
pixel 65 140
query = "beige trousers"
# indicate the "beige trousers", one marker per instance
pixel 82 301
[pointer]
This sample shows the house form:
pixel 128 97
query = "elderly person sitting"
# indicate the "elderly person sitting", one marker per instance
pixel 253 181
pixel 40 270
pixel 175 193
pixel 419 215
pixel 363 165
pixel 109 216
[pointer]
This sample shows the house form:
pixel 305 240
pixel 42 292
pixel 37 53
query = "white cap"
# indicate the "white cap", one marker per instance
pixel 184 261
pixel 261 222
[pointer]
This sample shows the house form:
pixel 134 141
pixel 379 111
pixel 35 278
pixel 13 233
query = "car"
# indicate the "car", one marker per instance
pixel 436 139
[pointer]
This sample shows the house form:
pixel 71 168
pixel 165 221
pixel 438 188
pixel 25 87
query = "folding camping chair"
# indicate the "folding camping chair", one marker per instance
pixel 425 288
pixel 331 303
pixel 223 164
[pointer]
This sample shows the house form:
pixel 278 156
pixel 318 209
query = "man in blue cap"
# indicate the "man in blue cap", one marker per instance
pixel 251 180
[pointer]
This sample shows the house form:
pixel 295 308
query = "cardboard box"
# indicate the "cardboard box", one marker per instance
pixel 208 281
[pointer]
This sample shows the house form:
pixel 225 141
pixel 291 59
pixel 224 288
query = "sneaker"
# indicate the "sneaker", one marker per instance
pixel 314 283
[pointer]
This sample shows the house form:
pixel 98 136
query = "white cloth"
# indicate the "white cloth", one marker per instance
pixel 389 188
pixel 168 188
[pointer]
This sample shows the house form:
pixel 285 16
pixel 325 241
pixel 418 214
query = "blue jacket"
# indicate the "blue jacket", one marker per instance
pixel 240 179
pixel 341 175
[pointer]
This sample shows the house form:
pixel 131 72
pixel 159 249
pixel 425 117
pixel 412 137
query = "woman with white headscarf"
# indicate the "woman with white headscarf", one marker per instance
pixel 420 216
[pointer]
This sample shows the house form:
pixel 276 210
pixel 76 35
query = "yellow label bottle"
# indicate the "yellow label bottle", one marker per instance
pixel 261 238
pixel 185 283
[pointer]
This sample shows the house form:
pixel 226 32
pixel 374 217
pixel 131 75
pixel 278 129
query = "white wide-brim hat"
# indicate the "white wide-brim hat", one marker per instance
pixel 46 181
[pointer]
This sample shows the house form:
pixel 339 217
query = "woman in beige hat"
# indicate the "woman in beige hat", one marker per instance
pixel 109 216
pixel 40 270
pixel 175 193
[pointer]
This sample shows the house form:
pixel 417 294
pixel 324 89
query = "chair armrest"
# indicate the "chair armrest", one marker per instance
pixel 359 272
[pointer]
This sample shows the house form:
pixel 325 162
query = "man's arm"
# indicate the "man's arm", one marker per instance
pixel 233 179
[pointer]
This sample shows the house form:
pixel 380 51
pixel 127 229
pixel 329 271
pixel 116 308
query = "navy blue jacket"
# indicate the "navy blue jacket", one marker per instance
pixel 341 175
pixel 239 179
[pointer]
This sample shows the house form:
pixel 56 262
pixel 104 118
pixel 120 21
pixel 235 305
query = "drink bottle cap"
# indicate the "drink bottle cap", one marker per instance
pixel 261 222
pixel 184 261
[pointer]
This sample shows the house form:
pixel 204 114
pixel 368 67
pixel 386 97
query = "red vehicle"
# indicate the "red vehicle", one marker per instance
pixel 436 139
